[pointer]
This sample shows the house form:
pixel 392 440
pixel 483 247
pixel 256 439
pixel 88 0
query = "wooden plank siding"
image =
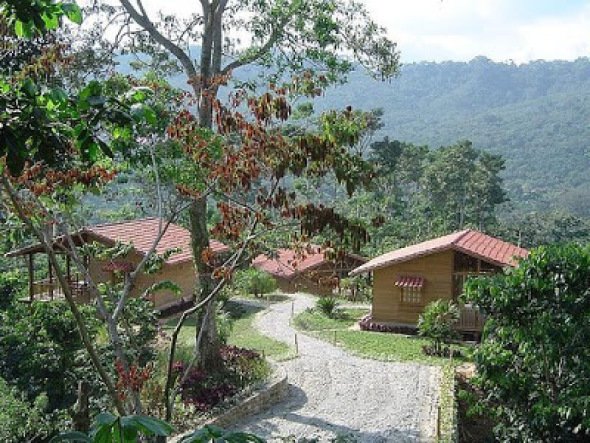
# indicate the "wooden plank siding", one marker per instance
pixel 437 271
pixel 182 274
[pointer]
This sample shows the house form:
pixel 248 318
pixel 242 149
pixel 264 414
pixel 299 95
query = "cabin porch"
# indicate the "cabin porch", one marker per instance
pixel 48 288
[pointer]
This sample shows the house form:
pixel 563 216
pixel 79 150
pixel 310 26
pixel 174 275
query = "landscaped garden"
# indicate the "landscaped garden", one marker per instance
pixel 336 325
pixel 237 325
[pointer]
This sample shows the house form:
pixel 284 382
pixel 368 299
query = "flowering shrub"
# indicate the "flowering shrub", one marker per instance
pixel 241 367
pixel 367 324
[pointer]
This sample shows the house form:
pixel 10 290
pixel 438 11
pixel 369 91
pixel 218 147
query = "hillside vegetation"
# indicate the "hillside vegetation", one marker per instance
pixel 535 115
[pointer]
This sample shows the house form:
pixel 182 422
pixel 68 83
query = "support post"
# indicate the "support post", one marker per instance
pixel 31 277
pixel 50 268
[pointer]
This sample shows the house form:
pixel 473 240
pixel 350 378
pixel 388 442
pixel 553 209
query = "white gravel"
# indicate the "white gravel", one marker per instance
pixel 333 393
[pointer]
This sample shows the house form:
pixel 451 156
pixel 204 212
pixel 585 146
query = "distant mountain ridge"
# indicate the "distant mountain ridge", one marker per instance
pixel 536 115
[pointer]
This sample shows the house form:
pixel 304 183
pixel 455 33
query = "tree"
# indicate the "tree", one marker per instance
pixel 288 35
pixel 533 364
pixel 55 143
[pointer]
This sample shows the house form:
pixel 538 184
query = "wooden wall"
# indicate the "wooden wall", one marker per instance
pixel 437 271
pixel 183 274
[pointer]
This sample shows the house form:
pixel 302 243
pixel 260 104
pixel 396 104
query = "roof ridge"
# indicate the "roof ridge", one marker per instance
pixel 462 233
pixel 102 225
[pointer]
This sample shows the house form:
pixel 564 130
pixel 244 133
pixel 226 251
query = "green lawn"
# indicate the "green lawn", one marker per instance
pixel 243 332
pixel 375 345
pixel 313 320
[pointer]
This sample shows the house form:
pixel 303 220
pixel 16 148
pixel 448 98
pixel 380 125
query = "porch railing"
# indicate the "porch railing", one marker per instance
pixel 470 319
pixel 47 289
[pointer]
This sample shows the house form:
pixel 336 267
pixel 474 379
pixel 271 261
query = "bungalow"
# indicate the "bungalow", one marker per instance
pixel 178 268
pixel 406 280
pixel 312 270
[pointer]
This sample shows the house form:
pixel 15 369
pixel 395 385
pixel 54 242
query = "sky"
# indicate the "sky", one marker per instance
pixel 503 30
pixel 517 30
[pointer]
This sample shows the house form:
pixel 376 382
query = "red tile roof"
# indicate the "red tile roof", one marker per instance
pixel 288 263
pixel 470 242
pixel 141 233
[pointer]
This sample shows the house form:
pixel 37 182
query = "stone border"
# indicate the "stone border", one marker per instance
pixel 447 426
pixel 273 391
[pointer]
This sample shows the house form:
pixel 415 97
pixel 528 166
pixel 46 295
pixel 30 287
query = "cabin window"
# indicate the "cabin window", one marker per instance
pixel 411 295
pixel 411 288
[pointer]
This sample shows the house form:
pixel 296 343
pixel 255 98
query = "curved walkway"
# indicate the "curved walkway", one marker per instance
pixel 335 394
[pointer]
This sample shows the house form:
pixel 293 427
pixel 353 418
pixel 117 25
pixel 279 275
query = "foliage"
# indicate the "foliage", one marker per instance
pixel 27 19
pixel 20 419
pixel 356 288
pixel 109 428
pixel 536 229
pixel 12 285
pixel 448 405
pixel 420 193
pixel 533 362
pixel 40 346
pixel 240 368
pixel 327 306
pixel 523 112
pixel 214 434
pixel 437 321
pixel 253 281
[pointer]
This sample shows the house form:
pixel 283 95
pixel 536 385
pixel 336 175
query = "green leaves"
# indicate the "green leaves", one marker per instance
pixel 214 434
pixel 534 364
pixel 72 12
pixel 36 18
pixel 109 428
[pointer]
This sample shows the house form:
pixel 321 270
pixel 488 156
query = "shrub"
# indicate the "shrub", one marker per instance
pixel 21 420
pixel 533 364
pixel 253 281
pixel 436 323
pixel 12 285
pixel 327 306
pixel 241 367
pixel 40 348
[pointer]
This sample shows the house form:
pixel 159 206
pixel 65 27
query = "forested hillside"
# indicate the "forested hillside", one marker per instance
pixel 536 115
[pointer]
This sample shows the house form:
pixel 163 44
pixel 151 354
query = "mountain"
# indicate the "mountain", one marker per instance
pixel 536 115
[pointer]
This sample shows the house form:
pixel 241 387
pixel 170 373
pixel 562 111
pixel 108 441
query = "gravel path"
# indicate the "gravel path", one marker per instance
pixel 333 393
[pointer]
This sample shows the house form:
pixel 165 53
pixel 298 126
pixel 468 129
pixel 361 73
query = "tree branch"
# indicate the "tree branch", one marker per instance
pixel 143 20
pixel 272 39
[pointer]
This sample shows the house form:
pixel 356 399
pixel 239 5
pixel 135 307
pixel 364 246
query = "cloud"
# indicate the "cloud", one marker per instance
pixel 500 29
pixel 436 30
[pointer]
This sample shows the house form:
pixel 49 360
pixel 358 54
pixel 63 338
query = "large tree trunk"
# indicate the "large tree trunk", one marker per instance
pixel 208 345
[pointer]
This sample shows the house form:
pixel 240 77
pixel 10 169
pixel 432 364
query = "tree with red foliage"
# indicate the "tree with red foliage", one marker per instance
pixel 301 37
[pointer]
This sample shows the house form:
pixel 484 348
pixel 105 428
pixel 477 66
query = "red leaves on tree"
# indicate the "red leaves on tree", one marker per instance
pixel 131 381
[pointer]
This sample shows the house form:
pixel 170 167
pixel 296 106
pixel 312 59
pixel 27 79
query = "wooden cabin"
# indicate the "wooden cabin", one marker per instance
pixel 407 279
pixel 313 270
pixel 141 234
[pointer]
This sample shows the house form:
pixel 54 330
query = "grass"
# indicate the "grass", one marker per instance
pixel 243 333
pixel 313 320
pixel 375 345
